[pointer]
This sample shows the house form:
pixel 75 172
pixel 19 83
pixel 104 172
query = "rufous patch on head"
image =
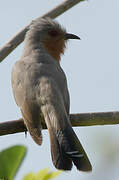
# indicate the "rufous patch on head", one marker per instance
pixel 55 47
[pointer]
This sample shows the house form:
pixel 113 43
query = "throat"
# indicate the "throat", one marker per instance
pixel 55 49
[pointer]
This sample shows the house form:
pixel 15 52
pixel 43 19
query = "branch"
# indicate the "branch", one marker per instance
pixel 19 37
pixel 83 119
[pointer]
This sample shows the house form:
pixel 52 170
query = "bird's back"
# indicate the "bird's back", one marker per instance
pixel 30 71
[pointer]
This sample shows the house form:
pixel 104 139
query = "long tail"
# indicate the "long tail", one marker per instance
pixel 65 146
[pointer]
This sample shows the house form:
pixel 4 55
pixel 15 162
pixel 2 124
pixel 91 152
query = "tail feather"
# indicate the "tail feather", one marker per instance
pixel 73 149
pixel 65 146
pixel 59 157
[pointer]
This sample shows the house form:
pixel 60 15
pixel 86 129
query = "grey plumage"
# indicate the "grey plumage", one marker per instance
pixel 40 89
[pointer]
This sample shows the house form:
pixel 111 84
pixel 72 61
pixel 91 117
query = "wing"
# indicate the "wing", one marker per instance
pixel 51 97
pixel 65 146
pixel 18 77
pixel 24 92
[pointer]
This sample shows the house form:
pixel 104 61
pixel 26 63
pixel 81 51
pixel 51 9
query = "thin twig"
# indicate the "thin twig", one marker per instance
pixel 19 37
pixel 83 119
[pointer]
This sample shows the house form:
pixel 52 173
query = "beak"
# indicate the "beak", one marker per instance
pixel 71 36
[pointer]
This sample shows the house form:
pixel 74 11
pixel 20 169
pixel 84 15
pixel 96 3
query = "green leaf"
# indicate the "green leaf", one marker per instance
pixel 43 174
pixel 52 175
pixel 10 160
pixel 30 176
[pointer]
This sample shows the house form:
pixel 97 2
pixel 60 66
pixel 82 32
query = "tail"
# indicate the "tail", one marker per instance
pixel 65 146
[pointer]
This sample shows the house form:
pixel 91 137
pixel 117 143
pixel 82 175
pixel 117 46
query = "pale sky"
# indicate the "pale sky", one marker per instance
pixel 92 70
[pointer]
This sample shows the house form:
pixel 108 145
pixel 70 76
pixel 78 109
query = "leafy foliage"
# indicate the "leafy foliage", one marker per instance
pixel 43 174
pixel 10 161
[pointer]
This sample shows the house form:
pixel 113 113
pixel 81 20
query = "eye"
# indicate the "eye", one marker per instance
pixel 53 33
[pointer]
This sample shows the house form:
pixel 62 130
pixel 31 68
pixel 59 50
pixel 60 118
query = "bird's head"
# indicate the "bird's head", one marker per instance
pixel 52 36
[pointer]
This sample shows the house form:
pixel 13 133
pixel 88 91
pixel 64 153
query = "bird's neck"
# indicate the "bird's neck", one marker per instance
pixel 53 49
pixel 30 47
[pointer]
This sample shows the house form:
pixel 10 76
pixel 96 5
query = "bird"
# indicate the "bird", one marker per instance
pixel 40 90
